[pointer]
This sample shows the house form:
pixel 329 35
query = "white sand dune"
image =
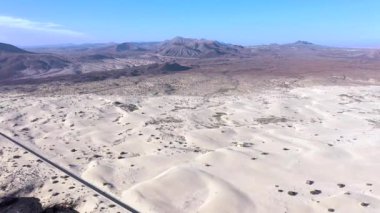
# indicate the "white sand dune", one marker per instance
pixel 306 149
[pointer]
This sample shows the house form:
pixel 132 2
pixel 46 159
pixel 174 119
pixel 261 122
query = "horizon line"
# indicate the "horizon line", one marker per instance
pixel 58 45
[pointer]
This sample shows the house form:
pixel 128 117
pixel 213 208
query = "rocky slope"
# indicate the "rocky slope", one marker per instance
pixel 18 63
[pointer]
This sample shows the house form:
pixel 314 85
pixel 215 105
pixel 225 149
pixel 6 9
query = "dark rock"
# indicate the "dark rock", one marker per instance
pixel 22 205
pixel 316 192
pixel 30 205
pixel 341 185
pixel 364 204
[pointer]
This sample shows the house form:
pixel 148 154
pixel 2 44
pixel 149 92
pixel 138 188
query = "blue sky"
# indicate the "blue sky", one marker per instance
pixel 329 22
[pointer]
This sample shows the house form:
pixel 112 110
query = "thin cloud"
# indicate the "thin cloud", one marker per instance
pixel 21 23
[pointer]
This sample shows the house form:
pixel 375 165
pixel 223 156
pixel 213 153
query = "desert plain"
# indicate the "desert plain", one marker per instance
pixel 257 138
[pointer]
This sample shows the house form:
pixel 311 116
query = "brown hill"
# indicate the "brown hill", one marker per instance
pixel 7 48
pixel 18 63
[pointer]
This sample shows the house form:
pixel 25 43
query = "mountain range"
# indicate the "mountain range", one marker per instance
pixel 17 63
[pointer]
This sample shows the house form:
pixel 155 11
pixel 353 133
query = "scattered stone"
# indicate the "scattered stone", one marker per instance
pixel 292 193
pixel 364 204
pixel 315 192
pixel 341 185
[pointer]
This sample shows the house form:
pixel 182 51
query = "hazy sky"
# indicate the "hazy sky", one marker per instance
pixel 330 22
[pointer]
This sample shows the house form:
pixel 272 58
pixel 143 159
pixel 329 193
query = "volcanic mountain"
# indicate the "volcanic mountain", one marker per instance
pixel 196 48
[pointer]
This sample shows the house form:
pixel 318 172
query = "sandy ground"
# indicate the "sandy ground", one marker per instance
pixel 306 149
pixel 112 64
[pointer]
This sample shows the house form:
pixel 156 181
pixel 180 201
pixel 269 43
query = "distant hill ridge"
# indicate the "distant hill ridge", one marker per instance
pixel 303 43
pixel 7 48
pixel 17 63
pixel 136 46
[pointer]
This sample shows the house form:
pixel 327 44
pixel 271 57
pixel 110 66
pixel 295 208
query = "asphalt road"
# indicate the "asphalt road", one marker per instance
pixel 67 172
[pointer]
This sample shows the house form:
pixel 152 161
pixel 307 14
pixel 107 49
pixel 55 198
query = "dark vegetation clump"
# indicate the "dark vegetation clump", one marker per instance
pixel 32 205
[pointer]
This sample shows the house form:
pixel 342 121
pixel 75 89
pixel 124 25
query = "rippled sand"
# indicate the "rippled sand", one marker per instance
pixel 305 149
